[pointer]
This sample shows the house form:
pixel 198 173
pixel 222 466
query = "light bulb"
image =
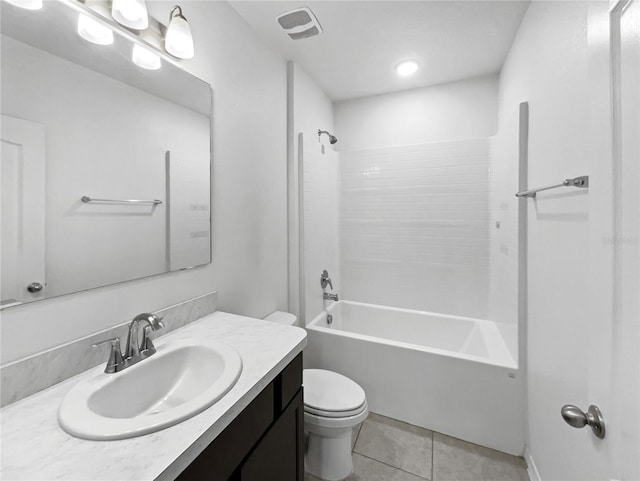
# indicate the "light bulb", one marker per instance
pixel 27 4
pixel 130 13
pixel 133 11
pixel 178 40
pixel 94 31
pixel 145 58
pixel 407 67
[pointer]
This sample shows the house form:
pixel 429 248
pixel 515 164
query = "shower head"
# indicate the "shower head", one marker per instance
pixel 332 138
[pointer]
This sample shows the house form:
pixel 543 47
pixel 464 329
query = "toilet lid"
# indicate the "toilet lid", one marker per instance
pixel 330 392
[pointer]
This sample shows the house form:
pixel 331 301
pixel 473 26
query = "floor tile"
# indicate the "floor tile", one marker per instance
pixel 354 435
pixel 397 444
pixel 366 469
pixel 456 460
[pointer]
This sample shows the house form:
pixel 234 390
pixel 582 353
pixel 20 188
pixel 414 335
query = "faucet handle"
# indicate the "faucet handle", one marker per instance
pixel 115 356
pixel 325 279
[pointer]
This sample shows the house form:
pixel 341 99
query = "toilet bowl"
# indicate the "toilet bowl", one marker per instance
pixel 333 406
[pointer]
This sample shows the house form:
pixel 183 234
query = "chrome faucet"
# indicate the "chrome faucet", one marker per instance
pixel 324 281
pixel 146 347
pixel 135 351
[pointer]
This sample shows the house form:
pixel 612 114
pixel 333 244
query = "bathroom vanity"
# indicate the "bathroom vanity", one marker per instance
pixel 265 441
pixel 254 432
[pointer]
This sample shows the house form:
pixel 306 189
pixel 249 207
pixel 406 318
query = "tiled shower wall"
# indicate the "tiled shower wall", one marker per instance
pixel 414 227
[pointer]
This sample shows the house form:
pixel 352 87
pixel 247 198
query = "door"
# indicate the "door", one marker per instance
pixel 625 392
pixel 614 361
pixel 22 177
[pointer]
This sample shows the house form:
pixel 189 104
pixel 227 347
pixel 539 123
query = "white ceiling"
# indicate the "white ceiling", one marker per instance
pixel 364 40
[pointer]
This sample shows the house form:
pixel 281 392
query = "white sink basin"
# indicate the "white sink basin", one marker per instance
pixel 180 380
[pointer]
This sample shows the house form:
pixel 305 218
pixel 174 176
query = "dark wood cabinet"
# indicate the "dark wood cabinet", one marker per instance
pixel 265 442
pixel 277 456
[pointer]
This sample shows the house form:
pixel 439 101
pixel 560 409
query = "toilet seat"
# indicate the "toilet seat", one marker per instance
pixel 332 395
pixel 335 414
pixel 313 421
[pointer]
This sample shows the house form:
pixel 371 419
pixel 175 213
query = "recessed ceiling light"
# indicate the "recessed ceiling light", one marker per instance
pixel 407 67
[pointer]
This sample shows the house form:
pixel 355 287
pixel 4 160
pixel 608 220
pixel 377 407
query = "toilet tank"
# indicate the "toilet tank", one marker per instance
pixel 282 318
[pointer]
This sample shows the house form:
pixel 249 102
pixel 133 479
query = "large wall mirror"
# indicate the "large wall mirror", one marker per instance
pixel 106 166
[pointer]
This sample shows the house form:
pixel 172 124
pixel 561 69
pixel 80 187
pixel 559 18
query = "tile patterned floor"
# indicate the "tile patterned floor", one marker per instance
pixel 388 450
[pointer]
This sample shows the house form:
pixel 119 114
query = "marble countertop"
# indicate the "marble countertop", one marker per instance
pixel 35 447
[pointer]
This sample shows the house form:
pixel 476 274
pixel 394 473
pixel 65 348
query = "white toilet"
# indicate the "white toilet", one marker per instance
pixel 333 406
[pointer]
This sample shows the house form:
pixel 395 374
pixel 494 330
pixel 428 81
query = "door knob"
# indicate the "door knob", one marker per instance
pixel 577 418
pixel 35 287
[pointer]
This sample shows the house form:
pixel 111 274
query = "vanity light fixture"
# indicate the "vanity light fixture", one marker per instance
pixel 407 67
pixel 178 40
pixel 99 19
pixel 130 13
pixel 143 56
pixel 27 4
pixel 94 31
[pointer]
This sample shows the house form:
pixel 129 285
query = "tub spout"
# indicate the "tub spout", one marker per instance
pixel 330 297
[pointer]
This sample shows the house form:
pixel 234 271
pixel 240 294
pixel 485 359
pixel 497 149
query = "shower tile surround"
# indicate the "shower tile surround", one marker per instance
pixel 414 227
pixel 32 374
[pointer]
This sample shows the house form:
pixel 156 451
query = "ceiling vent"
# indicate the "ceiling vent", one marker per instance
pixel 300 23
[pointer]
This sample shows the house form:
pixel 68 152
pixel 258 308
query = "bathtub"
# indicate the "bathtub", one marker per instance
pixel 453 375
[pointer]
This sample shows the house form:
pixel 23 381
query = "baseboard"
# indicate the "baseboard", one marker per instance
pixel 532 469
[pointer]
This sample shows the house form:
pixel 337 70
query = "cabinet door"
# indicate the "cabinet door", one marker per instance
pixel 221 458
pixel 279 456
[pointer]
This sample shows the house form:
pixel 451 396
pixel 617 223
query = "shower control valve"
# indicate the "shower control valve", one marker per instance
pixel 325 279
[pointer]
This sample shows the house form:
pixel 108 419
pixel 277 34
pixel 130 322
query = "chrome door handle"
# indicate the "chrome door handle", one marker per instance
pixel 577 418
pixel 35 287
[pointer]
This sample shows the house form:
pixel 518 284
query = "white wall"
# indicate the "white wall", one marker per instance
pixel 547 66
pixel 453 111
pixel 414 227
pixel 313 110
pixel 249 230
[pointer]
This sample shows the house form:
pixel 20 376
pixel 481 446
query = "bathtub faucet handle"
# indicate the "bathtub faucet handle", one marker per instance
pixel 325 279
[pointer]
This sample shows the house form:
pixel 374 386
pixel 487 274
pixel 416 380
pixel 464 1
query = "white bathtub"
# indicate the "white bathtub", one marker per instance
pixel 453 375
